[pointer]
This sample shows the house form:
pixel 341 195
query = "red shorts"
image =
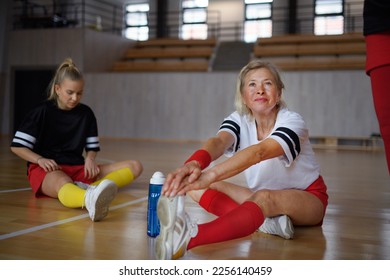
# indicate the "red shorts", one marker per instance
pixel 318 188
pixel 36 175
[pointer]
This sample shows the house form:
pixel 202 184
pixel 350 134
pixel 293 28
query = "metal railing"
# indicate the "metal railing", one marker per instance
pixel 108 17
pixel 100 15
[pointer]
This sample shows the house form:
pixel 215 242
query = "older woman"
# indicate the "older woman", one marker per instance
pixel 270 144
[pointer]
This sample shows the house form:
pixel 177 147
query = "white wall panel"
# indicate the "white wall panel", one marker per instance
pixel 192 105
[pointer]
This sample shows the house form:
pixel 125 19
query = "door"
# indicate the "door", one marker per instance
pixel 30 88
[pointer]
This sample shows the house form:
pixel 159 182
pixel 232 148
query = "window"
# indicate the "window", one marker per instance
pixel 137 22
pixel 258 19
pixel 329 17
pixel 194 24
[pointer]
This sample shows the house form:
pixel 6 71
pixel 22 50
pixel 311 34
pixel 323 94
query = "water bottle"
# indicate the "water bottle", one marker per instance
pixel 156 183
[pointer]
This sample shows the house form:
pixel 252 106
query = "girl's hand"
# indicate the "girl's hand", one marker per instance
pixel 91 169
pixel 48 164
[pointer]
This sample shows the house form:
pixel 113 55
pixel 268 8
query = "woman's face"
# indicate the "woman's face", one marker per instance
pixel 260 93
pixel 69 93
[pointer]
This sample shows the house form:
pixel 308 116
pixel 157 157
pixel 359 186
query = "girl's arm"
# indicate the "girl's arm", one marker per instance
pixel 30 156
pixel 91 169
pixel 26 154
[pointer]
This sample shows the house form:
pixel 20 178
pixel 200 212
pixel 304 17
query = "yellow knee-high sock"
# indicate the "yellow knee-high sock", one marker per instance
pixel 120 177
pixel 71 196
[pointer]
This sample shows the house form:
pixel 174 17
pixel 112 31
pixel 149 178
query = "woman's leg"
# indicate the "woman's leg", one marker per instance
pixel 302 207
pixel 240 222
pixel 221 198
pixel 381 95
pixel 178 233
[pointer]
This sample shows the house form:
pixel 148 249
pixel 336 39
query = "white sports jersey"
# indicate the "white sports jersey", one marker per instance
pixel 296 169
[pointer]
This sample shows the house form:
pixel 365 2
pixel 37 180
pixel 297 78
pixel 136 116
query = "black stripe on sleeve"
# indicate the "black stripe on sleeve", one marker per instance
pixel 288 142
pixel 230 125
pixel 293 136
pixel 235 128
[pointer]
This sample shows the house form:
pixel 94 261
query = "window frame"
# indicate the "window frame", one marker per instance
pixel 259 19
pixel 184 25
pixel 327 16
pixel 140 35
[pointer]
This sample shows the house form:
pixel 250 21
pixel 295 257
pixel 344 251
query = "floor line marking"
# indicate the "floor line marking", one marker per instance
pixel 15 190
pixel 56 223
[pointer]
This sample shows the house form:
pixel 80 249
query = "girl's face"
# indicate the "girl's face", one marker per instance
pixel 260 93
pixel 69 93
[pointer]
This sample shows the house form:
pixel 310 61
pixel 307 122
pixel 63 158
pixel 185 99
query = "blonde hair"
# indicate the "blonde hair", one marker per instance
pixel 254 65
pixel 66 70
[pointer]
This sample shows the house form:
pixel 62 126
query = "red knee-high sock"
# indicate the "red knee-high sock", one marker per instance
pixel 380 77
pixel 217 203
pixel 240 222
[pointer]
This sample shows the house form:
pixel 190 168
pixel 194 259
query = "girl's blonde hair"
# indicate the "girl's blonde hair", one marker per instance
pixel 66 70
pixel 254 65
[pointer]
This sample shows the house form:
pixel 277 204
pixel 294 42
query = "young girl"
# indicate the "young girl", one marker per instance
pixel 52 139
pixel 270 144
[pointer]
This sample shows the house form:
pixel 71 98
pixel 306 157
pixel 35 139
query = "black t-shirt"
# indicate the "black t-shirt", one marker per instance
pixel 57 134
pixel 376 15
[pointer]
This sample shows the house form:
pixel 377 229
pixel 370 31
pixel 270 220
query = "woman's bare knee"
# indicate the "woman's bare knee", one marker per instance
pixel 266 201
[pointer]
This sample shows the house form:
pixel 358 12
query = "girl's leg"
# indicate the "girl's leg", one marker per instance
pixel 121 173
pixel 59 185
pixel 53 182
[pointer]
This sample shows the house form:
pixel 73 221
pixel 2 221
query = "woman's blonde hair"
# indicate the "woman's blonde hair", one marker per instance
pixel 254 65
pixel 66 70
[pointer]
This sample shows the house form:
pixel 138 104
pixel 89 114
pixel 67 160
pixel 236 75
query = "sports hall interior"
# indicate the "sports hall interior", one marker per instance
pixel 157 98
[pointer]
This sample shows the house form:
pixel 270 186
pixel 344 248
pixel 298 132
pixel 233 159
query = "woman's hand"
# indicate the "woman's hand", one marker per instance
pixel 190 176
pixel 204 181
pixel 91 169
pixel 48 164
pixel 187 178
pixel 184 175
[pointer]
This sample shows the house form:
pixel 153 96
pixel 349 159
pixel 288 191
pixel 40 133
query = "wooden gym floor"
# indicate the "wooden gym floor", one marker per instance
pixel 356 226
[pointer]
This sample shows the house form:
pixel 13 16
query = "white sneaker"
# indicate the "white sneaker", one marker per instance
pixel 176 228
pixel 98 199
pixel 279 225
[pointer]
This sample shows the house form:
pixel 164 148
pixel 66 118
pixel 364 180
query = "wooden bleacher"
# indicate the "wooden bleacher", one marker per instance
pixel 372 143
pixel 167 54
pixel 311 52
